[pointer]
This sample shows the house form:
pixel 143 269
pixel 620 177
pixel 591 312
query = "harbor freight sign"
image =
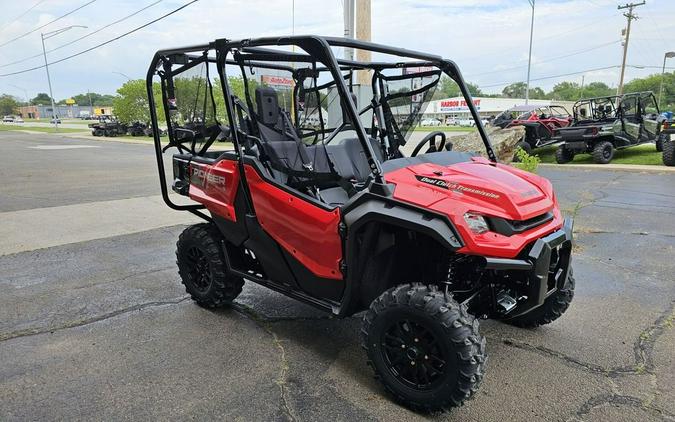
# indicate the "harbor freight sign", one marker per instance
pixel 457 105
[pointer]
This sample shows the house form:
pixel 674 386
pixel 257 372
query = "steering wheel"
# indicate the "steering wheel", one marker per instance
pixel 431 139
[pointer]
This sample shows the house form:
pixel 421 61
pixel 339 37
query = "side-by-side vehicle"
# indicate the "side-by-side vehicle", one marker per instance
pixel 294 160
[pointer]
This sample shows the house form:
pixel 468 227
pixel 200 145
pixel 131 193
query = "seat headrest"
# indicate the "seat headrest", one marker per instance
pixel 267 104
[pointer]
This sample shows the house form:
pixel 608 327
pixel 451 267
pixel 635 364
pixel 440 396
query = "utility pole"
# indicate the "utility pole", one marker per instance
pixel 529 57
pixel 363 34
pixel 349 26
pixel 581 92
pixel 630 16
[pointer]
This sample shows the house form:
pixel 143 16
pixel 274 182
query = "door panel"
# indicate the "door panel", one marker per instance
pixel 305 230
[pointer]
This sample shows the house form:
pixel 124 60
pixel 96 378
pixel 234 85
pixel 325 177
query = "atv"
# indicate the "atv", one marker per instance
pixel 540 123
pixel 108 127
pixel 137 129
pixel 603 125
pixel 335 216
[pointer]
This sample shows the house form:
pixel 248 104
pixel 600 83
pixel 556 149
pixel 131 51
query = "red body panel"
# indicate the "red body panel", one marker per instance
pixel 215 186
pixel 486 189
pixel 550 123
pixel 306 231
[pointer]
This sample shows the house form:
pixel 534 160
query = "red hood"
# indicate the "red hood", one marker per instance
pixel 478 186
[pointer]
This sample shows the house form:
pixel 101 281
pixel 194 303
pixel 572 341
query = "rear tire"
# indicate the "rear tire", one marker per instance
pixel 424 347
pixel 553 307
pixel 603 152
pixel 563 155
pixel 660 141
pixel 668 156
pixel 201 266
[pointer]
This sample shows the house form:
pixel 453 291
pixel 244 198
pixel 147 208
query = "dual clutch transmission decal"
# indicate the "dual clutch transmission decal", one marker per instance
pixel 455 186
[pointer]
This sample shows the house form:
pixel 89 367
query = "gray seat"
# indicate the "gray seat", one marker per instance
pixel 350 160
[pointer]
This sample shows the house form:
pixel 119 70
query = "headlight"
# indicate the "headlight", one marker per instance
pixel 476 223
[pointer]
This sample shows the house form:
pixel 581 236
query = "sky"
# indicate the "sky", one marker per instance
pixel 488 39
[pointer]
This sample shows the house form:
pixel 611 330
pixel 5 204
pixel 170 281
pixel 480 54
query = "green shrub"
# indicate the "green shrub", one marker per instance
pixel 527 162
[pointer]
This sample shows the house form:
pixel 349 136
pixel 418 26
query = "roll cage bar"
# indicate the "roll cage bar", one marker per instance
pixel 252 51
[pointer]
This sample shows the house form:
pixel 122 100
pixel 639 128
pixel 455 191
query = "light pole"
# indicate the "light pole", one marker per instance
pixel 668 55
pixel 45 36
pixel 529 57
pixel 25 93
pixel 120 73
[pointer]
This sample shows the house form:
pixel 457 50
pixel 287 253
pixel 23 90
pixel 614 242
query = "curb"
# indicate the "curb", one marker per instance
pixel 638 168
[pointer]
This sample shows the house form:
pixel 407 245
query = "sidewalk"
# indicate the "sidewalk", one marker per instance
pixel 613 167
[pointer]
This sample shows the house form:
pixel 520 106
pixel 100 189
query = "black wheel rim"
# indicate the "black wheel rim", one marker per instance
pixel 413 354
pixel 199 269
pixel 607 152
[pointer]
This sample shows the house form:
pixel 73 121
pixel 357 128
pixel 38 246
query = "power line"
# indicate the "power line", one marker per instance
pixel 21 15
pixel 48 23
pixel 84 36
pixel 105 42
pixel 616 66
pixel 554 76
pixel 543 61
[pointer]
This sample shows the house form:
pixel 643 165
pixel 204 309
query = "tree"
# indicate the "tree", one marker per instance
pixel 42 99
pixel 652 83
pixel 565 91
pixel 448 88
pixel 515 90
pixel 537 93
pixel 596 89
pixel 7 104
pixel 96 99
pixel 131 103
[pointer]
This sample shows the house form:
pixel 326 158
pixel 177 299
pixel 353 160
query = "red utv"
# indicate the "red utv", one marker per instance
pixel 334 215
pixel 540 123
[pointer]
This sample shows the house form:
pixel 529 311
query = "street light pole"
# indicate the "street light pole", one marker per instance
pixel 120 73
pixel 43 37
pixel 668 55
pixel 529 57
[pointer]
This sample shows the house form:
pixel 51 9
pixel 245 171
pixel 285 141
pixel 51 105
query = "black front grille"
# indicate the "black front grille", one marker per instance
pixel 510 227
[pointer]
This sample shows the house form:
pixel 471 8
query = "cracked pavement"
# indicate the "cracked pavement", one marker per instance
pixel 102 330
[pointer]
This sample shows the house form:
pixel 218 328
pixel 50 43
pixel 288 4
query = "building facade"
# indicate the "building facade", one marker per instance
pixel 487 107
pixel 73 111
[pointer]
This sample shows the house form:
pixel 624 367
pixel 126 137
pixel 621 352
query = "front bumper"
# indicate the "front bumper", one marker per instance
pixel 547 263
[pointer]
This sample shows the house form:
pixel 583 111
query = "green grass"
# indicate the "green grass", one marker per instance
pixel 8 128
pixel 443 129
pixel 642 154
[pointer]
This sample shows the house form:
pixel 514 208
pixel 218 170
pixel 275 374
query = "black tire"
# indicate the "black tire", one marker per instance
pixel 553 308
pixel 441 342
pixel 603 152
pixel 668 155
pixel 525 146
pixel 201 266
pixel 659 142
pixel 563 155
pixel 98 132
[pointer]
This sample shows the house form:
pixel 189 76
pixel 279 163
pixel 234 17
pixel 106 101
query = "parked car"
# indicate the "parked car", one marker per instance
pixel 603 125
pixel 56 120
pixel 469 122
pixel 8 119
pixel 430 122
pixel 18 119
pixel 451 121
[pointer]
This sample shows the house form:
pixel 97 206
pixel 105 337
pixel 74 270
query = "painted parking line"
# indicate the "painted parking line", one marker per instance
pixel 64 146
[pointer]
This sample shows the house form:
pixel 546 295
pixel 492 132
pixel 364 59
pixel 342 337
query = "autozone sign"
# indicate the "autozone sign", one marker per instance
pixel 457 105
pixel 277 81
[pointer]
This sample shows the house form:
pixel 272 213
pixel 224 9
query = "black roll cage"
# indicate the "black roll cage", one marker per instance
pixel 318 50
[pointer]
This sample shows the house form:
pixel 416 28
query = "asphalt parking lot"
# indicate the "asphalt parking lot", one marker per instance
pixel 94 324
